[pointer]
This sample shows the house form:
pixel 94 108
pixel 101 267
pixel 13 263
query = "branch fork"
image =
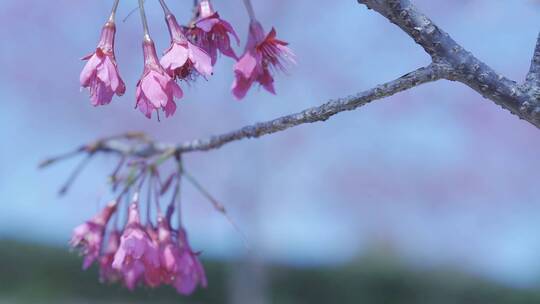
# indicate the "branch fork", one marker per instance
pixel 522 100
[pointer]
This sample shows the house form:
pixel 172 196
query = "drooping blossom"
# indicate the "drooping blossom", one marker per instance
pixel 261 54
pixel 190 271
pixel 106 272
pixel 183 58
pixel 156 89
pixel 100 74
pixel 152 275
pixel 180 266
pixel 211 33
pixel 89 236
pixel 169 252
pixel 137 256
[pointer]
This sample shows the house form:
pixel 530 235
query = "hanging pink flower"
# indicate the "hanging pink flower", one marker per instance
pixel 156 89
pixel 152 275
pixel 169 252
pixel 106 272
pixel 261 54
pixel 211 33
pixel 100 74
pixel 190 270
pixel 89 236
pixel 180 266
pixel 137 255
pixel 183 58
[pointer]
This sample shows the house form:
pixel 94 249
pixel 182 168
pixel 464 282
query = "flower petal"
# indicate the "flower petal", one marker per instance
pixel 89 70
pixel 200 59
pixel 175 57
pixel 240 86
pixel 248 63
pixel 153 90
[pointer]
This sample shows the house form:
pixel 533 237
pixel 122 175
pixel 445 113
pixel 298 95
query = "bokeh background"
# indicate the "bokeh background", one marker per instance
pixel 430 196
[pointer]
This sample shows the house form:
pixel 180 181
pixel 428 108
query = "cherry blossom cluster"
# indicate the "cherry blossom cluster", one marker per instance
pixel 193 52
pixel 134 252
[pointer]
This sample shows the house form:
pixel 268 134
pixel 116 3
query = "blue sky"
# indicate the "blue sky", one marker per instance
pixel 437 174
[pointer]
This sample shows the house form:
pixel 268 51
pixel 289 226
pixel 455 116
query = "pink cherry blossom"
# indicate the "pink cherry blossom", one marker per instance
pixel 183 58
pixel 190 271
pixel 152 276
pixel 261 54
pixel 137 255
pixel 211 33
pixel 156 89
pixel 100 74
pixel 106 272
pixel 180 266
pixel 169 252
pixel 89 236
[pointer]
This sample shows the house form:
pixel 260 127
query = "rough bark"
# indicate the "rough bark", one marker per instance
pixel 521 100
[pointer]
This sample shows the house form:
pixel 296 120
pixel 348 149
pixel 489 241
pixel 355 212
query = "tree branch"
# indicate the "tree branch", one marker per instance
pixel 533 77
pixel 430 73
pixel 521 100
pixel 450 61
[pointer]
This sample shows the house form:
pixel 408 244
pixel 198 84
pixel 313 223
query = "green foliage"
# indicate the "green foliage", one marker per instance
pixel 37 274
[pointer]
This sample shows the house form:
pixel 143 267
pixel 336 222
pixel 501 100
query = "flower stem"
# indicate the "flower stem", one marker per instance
pixel 149 199
pixel 144 21
pixel 166 9
pixel 217 205
pixel 156 196
pixel 249 8
pixel 195 13
pixel 131 182
pixel 113 11
pixel 177 196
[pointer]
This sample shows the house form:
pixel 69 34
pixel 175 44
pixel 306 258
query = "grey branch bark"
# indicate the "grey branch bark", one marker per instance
pixel 430 73
pixel 533 77
pixel 522 100
pixel 449 61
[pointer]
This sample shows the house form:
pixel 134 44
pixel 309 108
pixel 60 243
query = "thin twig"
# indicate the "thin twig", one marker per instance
pixel 131 13
pixel 74 174
pixel 53 160
pixel 217 205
